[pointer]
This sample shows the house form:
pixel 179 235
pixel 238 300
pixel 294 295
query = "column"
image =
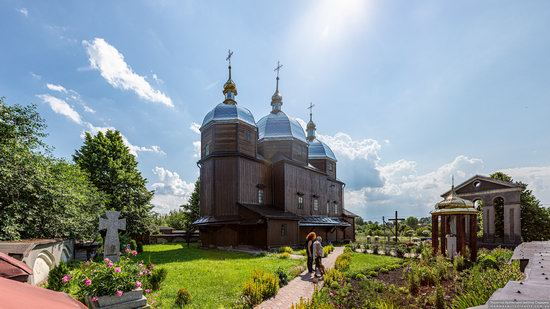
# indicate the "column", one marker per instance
pixel 460 230
pixel 435 229
pixel 512 223
pixel 489 223
pixel 473 237
pixel 443 234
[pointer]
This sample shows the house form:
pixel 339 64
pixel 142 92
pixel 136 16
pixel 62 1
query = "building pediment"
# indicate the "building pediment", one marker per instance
pixel 479 183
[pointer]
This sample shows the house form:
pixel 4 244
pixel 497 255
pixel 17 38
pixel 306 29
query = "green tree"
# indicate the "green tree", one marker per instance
pixel 412 222
pixel 114 171
pixel 192 208
pixel 40 197
pixel 535 219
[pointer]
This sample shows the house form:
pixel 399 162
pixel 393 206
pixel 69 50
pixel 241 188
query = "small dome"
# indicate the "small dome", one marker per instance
pixel 453 204
pixel 320 150
pixel 229 113
pixel 278 126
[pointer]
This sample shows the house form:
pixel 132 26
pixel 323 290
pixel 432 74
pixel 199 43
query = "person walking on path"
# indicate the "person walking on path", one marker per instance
pixel 310 239
pixel 318 250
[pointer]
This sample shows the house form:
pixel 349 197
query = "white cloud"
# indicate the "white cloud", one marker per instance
pixel 195 127
pixel 23 12
pixel 61 107
pixel 170 190
pixel 537 179
pixel 113 68
pixel 35 76
pixel 197 148
pixel 57 88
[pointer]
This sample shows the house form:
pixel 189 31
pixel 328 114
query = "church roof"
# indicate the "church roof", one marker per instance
pixel 271 212
pixel 279 126
pixel 229 113
pixel 320 150
pixel 322 221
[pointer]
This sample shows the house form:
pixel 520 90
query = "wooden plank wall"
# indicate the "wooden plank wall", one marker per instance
pixel 274 238
pixel 251 174
pixel 225 183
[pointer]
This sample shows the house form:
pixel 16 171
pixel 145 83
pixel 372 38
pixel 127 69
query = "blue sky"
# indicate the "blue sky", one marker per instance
pixel 406 93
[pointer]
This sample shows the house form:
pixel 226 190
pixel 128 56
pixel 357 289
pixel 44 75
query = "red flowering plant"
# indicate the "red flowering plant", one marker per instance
pixel 108 278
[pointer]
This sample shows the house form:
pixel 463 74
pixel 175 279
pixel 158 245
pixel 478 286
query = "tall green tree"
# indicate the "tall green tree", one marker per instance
pixel 192 208
pixel 114 171
pixel 412 222
pixel 40 196
pixel 535 219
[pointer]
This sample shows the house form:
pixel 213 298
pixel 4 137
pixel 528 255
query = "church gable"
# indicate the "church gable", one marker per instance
pixel 480 183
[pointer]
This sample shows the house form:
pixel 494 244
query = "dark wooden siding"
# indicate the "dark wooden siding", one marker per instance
pixel 229 137
pixel 247 145
pixel 225 183
pixel 274 238
pixel 207 188
pixel 252 174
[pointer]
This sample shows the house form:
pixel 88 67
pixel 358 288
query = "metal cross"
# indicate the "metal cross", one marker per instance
pixel 278 68
pixel 311 105
pixel 229 54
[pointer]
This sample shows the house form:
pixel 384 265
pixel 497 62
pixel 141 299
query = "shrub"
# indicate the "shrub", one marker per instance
pixel 182 298
pixel 133 244
pixel 384 270
pixel 106 278
pixel 354 246
pixel 157 277
pixel 375 249
pixel 56 277
pixel 285 249
pixel 348 250
pixel 259 287
pixel 372 273
pixel 440 297
pixel 139 248
pixel 283 276
pixel 459 263
pixel 333 275
pixel 360 277
pixel 488 261
pixel 296 270
pixel 301 252
pixel 343 261
pixel 400 252
pixel 284 255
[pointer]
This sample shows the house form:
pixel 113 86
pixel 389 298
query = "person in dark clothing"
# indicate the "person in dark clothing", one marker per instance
pixel 310 239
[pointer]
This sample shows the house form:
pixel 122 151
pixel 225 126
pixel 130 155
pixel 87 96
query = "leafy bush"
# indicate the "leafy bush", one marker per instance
pixel 459 263
pixel 107 278
pixel 133 244
pixel 439 297
pixel 333 275
pixel 285 249
pixel 283 276
pixel 157 277
pixel 343 261
pixel 360 277
pixel 372 273
pixel 183 297
pixel 284 255
pixel 139 248
pixel 375 249
pixel 301 252
pixel 348 250
pixel 259 287
pixel 384 270
pixel 59 278
pixel 488 261
pixel 296 270
pixel 400 252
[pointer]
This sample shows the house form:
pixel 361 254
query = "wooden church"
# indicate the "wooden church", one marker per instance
pixel 266 184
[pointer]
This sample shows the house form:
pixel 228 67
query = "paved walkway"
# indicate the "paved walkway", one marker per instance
pixel 300 287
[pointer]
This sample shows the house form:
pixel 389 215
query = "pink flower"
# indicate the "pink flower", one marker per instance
pixel 95 298
pixel 119 293
pixel 88 282
pixel 127 250
pixel 134 253
pixel 138 284
pixel 117 269
pixel 66 278
pixel 147 291
pixel 110 264
pixel 106 260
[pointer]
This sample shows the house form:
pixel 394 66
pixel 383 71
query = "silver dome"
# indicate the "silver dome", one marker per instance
pixel 320 150
pixel 278 126
pixel 229 112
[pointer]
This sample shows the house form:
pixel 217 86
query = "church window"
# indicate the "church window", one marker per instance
pixel 248 135
pixel 260 196
pixel 206 149
pixel 300 202
pixel 335 207
pixel 316 204
pixel 328 207
pixel 284 230
pixel 330 167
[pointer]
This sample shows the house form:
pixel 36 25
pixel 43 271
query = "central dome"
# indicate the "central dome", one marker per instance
pixel 278 126
pixel 229 113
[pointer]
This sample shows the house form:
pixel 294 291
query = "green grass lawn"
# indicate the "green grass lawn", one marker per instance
pixel 361 262
pixel 213 277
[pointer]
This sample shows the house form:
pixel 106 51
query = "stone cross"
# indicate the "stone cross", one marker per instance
pixel 111 247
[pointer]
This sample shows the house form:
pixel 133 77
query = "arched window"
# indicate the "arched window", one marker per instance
pixel 300 202
pixel 206 149
pixel 260 196
pixel 315 204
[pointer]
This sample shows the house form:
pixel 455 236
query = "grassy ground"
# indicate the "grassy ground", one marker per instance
pixel 362 261
pixel 213 277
